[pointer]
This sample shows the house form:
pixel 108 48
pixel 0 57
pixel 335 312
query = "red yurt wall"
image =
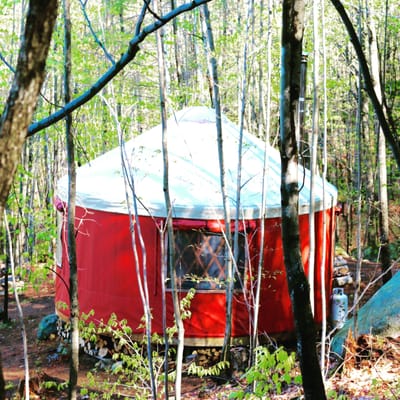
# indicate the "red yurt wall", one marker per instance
pixel 108 284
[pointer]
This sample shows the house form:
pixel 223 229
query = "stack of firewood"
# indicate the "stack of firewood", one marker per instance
pixel 341 273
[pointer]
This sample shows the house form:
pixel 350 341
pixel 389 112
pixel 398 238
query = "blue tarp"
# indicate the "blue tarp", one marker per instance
pixel 379 316
pixel 47 326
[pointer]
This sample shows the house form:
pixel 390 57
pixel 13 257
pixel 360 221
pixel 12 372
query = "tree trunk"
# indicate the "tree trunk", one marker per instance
pixel 168 205
pixel 19 309
pixel 267 121
pixel 382 169
pixel 368 156
pixel 292 35
pixel 22 99
pixel 358 190
pixel 324 250
pixel 385 257
pixel 314 153
pixel 214 89
pixel 177 56
pixel 73 279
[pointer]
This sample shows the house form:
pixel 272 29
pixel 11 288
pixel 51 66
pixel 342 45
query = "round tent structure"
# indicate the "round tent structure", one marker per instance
pixel 105 206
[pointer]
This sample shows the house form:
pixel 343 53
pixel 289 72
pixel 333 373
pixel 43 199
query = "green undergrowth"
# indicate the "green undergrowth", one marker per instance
pixel 271 373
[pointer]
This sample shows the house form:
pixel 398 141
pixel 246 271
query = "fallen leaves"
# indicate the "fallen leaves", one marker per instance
pixel 370 369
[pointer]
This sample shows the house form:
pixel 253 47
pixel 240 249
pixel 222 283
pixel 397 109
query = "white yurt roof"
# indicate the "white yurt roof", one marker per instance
pixel 194 173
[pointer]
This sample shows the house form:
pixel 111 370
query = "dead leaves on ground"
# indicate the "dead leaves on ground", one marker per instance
pixel 370 368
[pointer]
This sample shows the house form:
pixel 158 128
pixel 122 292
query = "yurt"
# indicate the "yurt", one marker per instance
pixel 120 225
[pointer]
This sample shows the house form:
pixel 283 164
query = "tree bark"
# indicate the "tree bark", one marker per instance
pixel 23 96
pixel 216 103
pixel 73 278
pixel 291 47
pixel 19 309
pixel 313 142
pixel 382 165
pixel 22 99
pixel 168 205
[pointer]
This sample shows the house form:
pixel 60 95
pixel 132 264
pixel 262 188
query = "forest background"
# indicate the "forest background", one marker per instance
pixel 247 50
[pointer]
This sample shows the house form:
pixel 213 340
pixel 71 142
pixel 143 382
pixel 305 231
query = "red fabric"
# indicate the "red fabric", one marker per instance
pixel 108 267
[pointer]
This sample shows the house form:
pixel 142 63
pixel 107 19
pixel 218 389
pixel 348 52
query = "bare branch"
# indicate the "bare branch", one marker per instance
pixel 382 113
pixel 140 20
pixel 96 38
pixel 8 65
pixel 125 59
pixel 153 13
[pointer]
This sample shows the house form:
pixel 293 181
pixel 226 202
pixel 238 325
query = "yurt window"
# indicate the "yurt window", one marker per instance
pixel 200 260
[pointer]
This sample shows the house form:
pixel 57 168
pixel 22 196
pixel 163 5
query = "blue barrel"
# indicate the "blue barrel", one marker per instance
pixel 339 307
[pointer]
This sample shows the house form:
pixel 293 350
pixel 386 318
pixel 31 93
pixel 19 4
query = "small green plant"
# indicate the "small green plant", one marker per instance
pixel 269 375
pixel 333 395
pixel 129 363
pixel 53 385
pixel 214 370
pixel 9 386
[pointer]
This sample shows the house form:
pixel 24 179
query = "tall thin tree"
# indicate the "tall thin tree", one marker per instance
pixel 324 177
pixel 168 206
pixel 209 44
pixel 73 268
pixel 138 245
pixel 19 308
pixel 314 151
pixel 260 264
pixel 358 188
pixel 382 165
pixel 243 101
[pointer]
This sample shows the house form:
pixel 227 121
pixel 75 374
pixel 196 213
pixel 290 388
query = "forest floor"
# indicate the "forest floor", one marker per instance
pixel 376 376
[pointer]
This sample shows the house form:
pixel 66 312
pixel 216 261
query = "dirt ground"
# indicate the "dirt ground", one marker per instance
pixel 377 377
pixel 45 361
pixel 43 355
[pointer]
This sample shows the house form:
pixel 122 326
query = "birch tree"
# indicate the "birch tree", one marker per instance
pixel 216 102
pixel 72 260
pixel 168 206
pixel 382 166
